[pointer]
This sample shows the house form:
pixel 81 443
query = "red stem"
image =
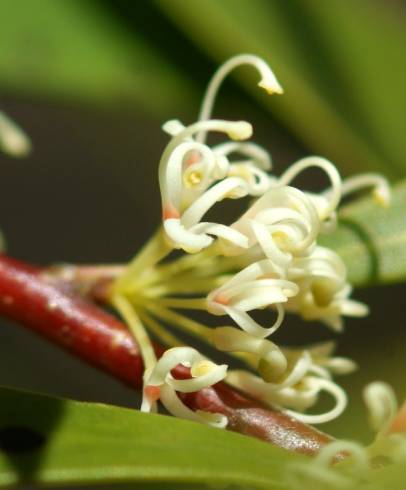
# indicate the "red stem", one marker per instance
pixel 89 332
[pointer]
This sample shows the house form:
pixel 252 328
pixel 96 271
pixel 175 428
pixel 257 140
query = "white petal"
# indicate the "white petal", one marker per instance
pixel 231 339
pixel 216 374
pixel 169 360
pixel 331 171
pixel 381 403
pixel 177 408
pixel 183 238
pixel 218 192
pixel 340 403
pixel 173 127
pixel 259 156
pixel 243 320
pixel 268 82
pixel 222 231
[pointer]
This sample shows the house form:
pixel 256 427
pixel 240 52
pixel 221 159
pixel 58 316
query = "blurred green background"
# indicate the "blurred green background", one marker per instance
pixel 92 81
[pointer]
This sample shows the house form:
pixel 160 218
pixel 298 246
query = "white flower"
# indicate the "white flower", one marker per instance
pixel 199 172
pixel 160 384
pixel 388 422
pixel 324 472
pixel 347 464
pixel 381 404
pixel 268 82
pixel 380 187
pixel 323 289
pixel 182 225
pixel 256 286
pixel 284 222
pixel 269 258
pixel 306 376
pixel 271 360
pixel 327 206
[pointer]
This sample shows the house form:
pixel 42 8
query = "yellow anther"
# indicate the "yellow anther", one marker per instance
pixel 201 368
pixel 193 178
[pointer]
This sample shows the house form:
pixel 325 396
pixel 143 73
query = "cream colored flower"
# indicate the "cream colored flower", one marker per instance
pixel 323 289
pixel 348 464
pixel 268 259
pixel 306 376
pixel 160 384
pixel 255 287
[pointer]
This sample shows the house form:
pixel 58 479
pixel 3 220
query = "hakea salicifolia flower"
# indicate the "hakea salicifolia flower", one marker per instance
pixel 347 464
pixel 268 258
pixel 193 176
pixel 291 379
pixel 161 385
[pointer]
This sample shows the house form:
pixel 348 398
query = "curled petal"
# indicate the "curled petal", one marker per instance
pixel 211 375
pixel 296 370
pixel 257 181
pixel 188 233
pixel 315 386
pixel 299 398
pixel 169 360
pixel 266 241
pixel 159 383
pixel 256 286
pixel 231 339
pixel 204 373
pixel 182 238
pixel 171 163
pixel 302 220
pixel 258 155
pixel 174 405
pixel 322 354
pixel 268 82
pixel 381 404
pixel 171 175
pixel 331 171
pixel 380 187
pixel 173 127
pixel 244 321
pixel 197 238
pixel 227 234
pixel 216 193
pixel 258 293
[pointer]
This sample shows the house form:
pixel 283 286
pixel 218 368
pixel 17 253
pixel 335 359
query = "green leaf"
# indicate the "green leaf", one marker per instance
pixel 372 240
pixel 75 50
pixel 366 42
pixel 281 33
pixel 54 441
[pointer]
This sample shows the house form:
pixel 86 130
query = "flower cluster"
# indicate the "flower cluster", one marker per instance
pixel 329 469
pixel 269 258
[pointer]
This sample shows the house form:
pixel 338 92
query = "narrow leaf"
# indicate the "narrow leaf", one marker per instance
pixel 76 51
pixel 372 240
pixel 54 441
